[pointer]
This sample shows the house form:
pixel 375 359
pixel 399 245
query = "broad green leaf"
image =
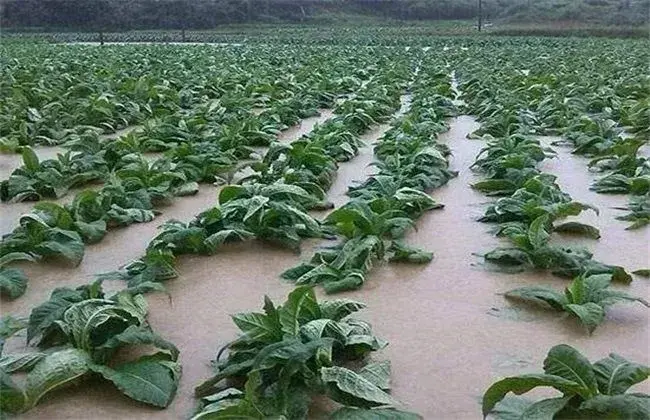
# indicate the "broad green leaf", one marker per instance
pixel 405 253
pixel 258 327
pixel 567 362
pixel 146 380
pixel 319 328
pixel 135 335
pixel 615 375
pixel 16 256
pixel 521 384
pixel 338 309
pixel 55 371
pixel 30 160
pixel 354 388
pixel 255 204
pixel 578 229
pixel 510 408
pixel 590 314
pixel 44 315
pixel 189 188
pixel 624 406
pixel 13 282
pixel 300 308
pixel 537 234
pixel 507 256
pixel 378 373
pixel 539 294
pixel 219 238
pixel 91 232
pixel 545 409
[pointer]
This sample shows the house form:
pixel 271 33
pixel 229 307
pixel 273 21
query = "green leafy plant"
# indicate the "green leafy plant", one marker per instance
pixel 532 249
pixel 13 282
pixel 79 332
pixel 639 211
pixel 292 351
pixel 586 298
pixel 595 391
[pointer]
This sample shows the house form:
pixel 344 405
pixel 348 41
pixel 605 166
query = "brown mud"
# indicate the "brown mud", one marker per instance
pixel 450 333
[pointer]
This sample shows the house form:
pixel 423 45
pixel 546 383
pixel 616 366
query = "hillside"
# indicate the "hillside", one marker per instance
pixel 205 14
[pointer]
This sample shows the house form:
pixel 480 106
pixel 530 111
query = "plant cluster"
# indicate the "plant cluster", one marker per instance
pixel 78 333
pixel 203 143
pixel 589 391
pixel 294 351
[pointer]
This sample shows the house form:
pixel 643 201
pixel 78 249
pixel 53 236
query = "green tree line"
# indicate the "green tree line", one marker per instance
pixel 204 14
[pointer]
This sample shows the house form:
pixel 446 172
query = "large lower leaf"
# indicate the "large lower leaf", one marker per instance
pixel 578 228
pixel 590 314
pixel 350 388
pixel 13 282
pixel 149 379
pixel 524 383
pixel 615 375
pixel 378 373
pixel 625 406
pixel 538 294
pixel 55 371
pixel 92 232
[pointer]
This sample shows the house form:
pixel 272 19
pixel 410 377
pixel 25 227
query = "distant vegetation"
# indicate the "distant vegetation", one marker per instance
pixel 205 14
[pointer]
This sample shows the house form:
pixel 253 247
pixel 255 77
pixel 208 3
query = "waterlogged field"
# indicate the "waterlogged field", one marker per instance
pixel 333 231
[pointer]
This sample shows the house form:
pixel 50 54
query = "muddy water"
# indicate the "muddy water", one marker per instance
pixel 450 333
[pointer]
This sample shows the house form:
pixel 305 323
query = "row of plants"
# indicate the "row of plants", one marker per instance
pixel 371 227
pixel 602 112
pixel 529 210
